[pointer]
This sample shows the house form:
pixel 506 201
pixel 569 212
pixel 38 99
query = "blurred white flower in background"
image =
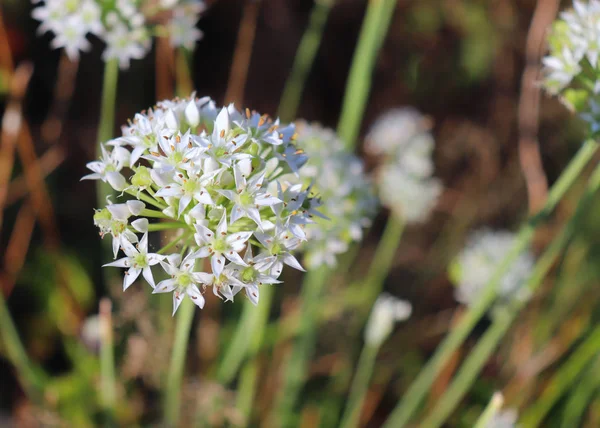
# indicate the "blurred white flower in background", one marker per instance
pixel 504 419
pixel 405 182
pixel 386 311
pixel 476 263
pixel 126 26
pixel 347 203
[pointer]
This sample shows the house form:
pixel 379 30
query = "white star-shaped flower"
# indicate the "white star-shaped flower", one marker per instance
pixel 109 166
pixel 138 261
pixel 248 197
pixel 184 280
pixel 220 245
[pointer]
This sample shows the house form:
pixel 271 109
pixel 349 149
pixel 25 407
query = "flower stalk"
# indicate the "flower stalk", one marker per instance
pixel 172 398
pixel 414 395
pixel 503 318
pixel 304 59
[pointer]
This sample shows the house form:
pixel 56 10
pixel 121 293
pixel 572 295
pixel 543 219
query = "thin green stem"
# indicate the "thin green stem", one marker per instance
pixel 490 411
pixel 172 243
pixel 305 57
pixel 142 196
pixel 296 365
pixel 249 375
pixel 581 396
pixel 413 397
pixel 107 120
pixel 375 25
pixel 29 376
pixel 360 385
pixel 185 316
pixel 107 363
pixel 503 318
pixel 154 214
pixel 252 320
pixel 164 226
pixel 563 380
pixel 383 258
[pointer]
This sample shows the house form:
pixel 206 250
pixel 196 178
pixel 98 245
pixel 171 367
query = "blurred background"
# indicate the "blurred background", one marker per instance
pixel 460 62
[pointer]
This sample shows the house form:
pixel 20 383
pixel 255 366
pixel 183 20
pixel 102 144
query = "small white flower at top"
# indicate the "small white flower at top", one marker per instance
pixel 108 168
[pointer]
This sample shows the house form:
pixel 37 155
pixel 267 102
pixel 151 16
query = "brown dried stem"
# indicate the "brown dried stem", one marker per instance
pixel 529 105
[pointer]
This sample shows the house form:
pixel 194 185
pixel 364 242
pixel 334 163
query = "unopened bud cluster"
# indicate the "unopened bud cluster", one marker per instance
pixel 572 67
pixel 220 179
pixel 126 26
pixel 405 179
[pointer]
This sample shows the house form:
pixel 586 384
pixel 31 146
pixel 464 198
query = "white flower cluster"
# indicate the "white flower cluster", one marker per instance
pixel 504 419
pixel 572 67
pixel 405 181
pixel 347 203
pixel 218 177
pixel 126 26
pixel 386 311
pixel 476 263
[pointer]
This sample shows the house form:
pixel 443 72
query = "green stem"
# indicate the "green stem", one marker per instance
pixel 31 380
pixel 487 344
pixel 490 411
pixel 142 196
pixel 382 260
pixel 154 214
pixel 563 380
pixel 305 56
pixel 172 243
pixel 360 385
pixel 415 393
pixel 580 398
pixel 164 226
pixel 375 25
pixel 249 375
pixel 296 365
pixel 107 363
pixel 107 120
pixel 253 319
pixel 185 316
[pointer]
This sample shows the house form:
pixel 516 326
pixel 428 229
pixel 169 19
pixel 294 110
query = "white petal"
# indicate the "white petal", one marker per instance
pixel 135 207
pixel 192 114
pixel 222 226
pixel 130 276
pixel 119 211
pixel 141 225
pixel 194 294
pixel 147 273
pixel 222 122
pixel 177 299
pixel 252 293
pixel 165 286
pixel 184 202
pixel 171 120
pixel 235 258
pixel 122 263
pixel 291 261
pixel 217 262
pixel 143 245
pixel 116 180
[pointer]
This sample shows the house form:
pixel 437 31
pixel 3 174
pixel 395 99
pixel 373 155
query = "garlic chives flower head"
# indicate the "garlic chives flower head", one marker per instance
pixel 386 311
pixel 406 186
pixel 506 418
pixel 126 26
pixel 572 67
pixel 477 262
pixel 218 176
pixel 343 202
